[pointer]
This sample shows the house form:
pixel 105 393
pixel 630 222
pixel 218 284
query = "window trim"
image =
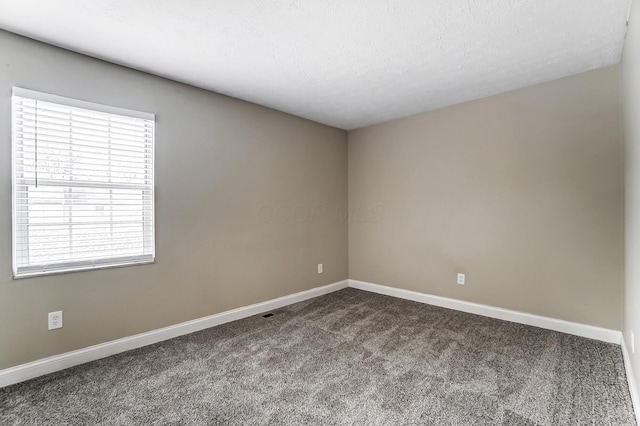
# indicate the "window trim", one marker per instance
pixel 75 266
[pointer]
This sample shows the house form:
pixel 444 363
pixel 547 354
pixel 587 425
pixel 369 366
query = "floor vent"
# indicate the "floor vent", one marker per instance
pixel 267 315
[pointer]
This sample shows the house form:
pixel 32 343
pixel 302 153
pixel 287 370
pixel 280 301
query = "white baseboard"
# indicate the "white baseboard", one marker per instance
pixel 48 365
pixel 43 366
pixel 583 330
pixel 633 388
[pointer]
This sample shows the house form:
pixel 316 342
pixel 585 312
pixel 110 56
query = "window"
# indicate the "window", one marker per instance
pixel 83 193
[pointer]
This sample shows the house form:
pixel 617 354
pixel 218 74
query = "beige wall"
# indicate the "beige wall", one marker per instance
pixel 522 191
pixel 249 200
pixel 631 73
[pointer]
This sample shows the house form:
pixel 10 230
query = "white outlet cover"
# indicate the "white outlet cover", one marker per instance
pixel 461 278
pixel 320 268
pixel 55 320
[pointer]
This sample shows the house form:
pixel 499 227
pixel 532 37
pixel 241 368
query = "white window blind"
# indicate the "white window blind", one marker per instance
pixel 83 188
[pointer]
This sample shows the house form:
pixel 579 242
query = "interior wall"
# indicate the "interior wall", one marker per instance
pixel 248 202
pixel 631 82
pixel 522 192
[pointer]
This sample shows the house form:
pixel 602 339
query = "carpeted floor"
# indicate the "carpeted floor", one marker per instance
pixel 350 357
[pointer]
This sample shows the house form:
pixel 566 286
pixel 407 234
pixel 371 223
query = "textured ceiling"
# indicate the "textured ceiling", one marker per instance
pixel 343 63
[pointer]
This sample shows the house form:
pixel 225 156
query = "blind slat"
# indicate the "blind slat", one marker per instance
pixel 90 244
pixel 61 141
pixel 95 112
pixel 29 113
pixel 87 255
pixel 75 127
pixel 84 232
pixel 137 232
pixel 83 184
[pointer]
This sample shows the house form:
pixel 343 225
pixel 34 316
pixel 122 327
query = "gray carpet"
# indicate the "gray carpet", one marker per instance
pixel 350 357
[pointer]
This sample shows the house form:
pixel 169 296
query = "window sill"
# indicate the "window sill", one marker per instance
pixel 82 269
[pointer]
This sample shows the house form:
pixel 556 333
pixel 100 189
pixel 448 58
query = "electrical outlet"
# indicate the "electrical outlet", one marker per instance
pixel 320 268
pixel 55 320
pixel 460 279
